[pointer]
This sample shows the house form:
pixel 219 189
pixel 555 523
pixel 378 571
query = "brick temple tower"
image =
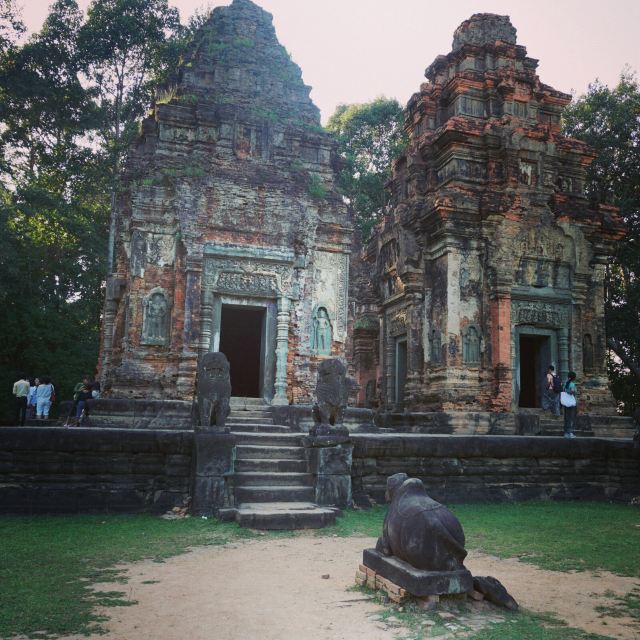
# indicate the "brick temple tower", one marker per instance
pixel 490 264
pixel 230 233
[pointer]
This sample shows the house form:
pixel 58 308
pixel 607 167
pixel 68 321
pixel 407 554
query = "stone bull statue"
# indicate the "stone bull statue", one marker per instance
pixel 213 390
pixel 419 530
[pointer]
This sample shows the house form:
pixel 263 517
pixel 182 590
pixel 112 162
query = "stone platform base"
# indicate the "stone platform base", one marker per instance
pixel 416 582
pixel 281 516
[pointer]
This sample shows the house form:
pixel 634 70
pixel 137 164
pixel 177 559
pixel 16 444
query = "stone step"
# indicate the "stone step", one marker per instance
pixel 243 427
pixel 560 433
pixel 270 439
pixel 248 420
pixel 236 402
pixel 272 479
pixel 256 416
pixel 284 515
pixel 281 465
pixel 267 452
pixel 278 493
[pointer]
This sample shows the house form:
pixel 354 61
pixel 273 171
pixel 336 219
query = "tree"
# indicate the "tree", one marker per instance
pixel 128 48
pixel 369 137
pixel 53 208
pixel 609 121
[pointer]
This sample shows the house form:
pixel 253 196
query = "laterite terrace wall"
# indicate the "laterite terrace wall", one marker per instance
pixel 85 470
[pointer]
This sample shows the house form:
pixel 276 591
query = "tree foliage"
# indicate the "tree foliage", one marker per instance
pixel 369 137
pixel 609 121
pixel 71 96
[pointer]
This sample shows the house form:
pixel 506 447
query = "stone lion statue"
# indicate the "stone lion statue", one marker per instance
pixel 420 530
pixel 213 390
pixel 332 393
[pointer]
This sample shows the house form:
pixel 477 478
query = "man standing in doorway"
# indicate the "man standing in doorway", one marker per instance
pixel 551 393
pixel 21 393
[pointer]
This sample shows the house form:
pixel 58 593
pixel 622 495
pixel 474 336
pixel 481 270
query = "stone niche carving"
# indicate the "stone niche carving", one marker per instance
pixel 527 173
pixel 155 323
pixel 321 332
pixel 471 345
pixel 331 275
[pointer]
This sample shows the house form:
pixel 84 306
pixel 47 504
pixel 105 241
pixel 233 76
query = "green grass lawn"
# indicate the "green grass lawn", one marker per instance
pixel 48 563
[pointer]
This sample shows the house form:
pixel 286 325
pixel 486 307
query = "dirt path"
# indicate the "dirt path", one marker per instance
pixel 275 590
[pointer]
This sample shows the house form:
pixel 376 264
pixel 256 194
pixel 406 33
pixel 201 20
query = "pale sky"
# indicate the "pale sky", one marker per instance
pixel 355 50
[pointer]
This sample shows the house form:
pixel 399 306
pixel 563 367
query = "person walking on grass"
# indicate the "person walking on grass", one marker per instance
pixel 44 394
pixel 21 392
pixel 570 412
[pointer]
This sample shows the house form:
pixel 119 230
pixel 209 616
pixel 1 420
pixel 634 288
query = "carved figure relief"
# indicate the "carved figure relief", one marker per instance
pixel 398 324
pixel 540 313
pixel 471 345
pixel 138 253
pixel 331 276
pixel 321 332
pixel 248 275
pixel 435 347
pixel 587 352
pixel 155 321
pixel 526 172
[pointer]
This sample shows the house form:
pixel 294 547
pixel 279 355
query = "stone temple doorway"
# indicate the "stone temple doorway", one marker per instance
pixel 400 369
pixel 242 341
pixel 535 355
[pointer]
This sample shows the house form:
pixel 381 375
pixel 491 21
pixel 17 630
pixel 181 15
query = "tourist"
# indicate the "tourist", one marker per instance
pixel 551 393
pixel 73 411
pixel 570 412
pixel 21 393
pixel 95 388
pixel 45 393
pixel 81 398
pixel 31 403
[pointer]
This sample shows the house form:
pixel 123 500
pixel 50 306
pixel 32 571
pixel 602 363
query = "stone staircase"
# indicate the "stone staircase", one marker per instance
pixel 272 487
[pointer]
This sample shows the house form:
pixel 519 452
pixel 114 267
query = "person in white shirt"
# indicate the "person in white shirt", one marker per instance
pixel 21 393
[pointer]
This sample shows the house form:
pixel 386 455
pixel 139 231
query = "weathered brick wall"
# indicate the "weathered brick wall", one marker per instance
pixel 498 468
pixel 55 470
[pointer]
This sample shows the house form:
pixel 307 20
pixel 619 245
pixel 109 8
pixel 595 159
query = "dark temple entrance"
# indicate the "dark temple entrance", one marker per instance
pixel 400 369
pixel 535 357
pixel 241 340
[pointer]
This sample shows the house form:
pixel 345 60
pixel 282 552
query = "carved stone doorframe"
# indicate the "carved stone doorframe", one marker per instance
pixel 543 319
pixel 268 356
pixel 252 277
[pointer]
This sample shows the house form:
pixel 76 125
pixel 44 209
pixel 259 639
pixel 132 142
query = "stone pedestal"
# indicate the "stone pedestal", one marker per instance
pixel 329 460
pixel 213 463
pixel 416 581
